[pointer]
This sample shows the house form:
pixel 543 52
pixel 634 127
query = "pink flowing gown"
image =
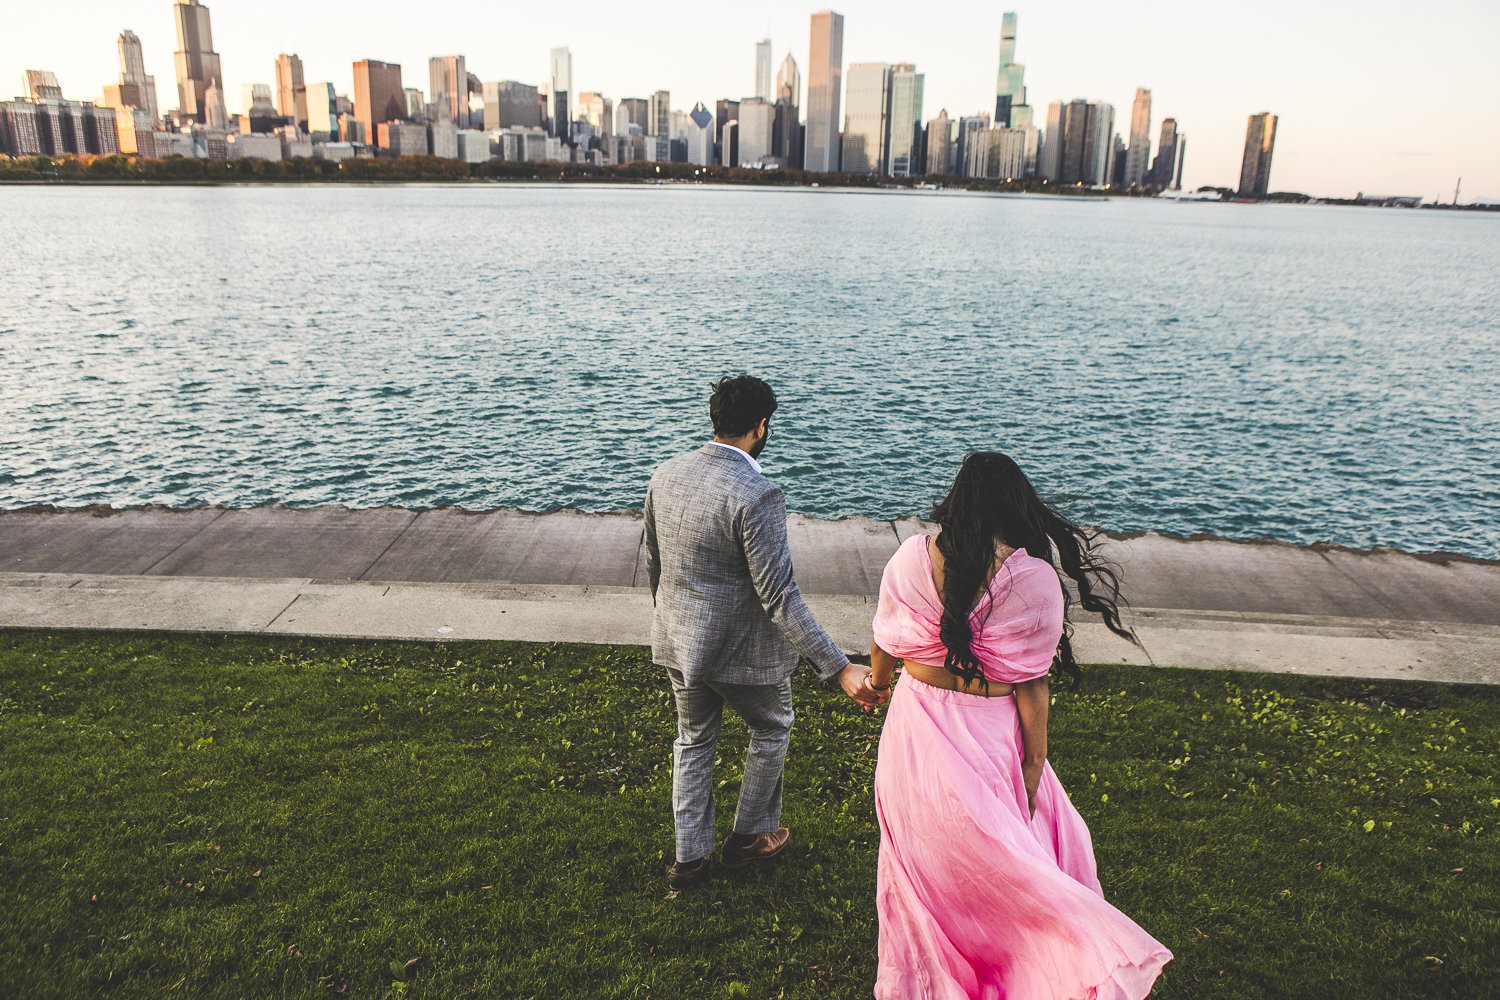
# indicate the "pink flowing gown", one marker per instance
pixel 976 896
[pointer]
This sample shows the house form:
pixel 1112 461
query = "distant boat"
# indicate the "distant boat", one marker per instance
pixel 1191 196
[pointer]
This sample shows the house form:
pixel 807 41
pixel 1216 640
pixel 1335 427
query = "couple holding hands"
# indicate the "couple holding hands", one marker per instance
pixel 986 884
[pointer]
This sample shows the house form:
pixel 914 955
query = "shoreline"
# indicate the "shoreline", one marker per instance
pixel 565 180
pixel 441 574
pixel 1439 557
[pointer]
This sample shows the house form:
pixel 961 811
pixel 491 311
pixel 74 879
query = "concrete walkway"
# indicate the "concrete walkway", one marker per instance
pixel 567 576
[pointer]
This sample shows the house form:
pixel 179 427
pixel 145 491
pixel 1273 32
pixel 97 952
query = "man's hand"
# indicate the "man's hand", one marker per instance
pixel 853 680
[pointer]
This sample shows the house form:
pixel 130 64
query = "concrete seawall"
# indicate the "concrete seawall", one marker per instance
pixel 570 576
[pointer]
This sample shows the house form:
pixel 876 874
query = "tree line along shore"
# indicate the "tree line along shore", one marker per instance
pixel 122 169
pixel 408 169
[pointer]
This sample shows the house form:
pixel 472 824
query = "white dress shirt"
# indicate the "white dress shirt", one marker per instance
pixel 739 451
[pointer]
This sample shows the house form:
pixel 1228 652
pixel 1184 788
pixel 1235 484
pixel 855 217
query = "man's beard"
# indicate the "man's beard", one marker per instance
pixel 759 446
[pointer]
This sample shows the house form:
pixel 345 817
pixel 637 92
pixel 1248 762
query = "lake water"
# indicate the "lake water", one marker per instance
pixel 1299 373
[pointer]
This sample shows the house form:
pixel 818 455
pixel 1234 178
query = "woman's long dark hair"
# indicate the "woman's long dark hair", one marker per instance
pixel 993 501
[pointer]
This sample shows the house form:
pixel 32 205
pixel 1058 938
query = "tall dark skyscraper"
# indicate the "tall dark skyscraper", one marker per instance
pixel 1075 137
pixel 1166 169
pixel 786 143
pixel 378 96
pixel 197 62
pixel 1255 169
pixel 637 112
pixel 448 80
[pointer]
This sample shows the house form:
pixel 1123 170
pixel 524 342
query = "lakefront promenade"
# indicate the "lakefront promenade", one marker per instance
pixel 446 573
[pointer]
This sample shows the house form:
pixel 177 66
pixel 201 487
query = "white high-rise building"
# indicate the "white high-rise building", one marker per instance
pixel 1099 157
pixel 904 147
pixel 1138 158
pixel 825 72
pixel 755 129
pixel 764 85
pixel 700 137
pixel 866 120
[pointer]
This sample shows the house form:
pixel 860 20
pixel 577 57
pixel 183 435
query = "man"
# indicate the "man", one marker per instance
pixel 729 625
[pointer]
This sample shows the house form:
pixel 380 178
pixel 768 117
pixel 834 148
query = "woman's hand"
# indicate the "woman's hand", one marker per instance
pixel 1031 773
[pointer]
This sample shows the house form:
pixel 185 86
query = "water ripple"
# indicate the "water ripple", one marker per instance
pixel 1297 373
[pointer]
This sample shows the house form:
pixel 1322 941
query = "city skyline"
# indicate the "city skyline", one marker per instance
pixel 1333 139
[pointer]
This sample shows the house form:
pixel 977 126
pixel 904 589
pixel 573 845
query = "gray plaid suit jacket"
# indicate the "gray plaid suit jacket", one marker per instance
pixel 727 606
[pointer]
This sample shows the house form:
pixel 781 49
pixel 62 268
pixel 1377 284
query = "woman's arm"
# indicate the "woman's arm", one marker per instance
pixel 1032 699
pixel 882 668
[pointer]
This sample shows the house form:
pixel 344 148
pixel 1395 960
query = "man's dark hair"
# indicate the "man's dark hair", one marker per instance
pixel 739 404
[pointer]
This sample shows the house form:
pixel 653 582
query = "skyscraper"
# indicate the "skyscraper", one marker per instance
pixel 787 142
pixel 598 111
pixel 291 98
pixel 1139 154
pixel 1255 169
pixel 1079 146
pixel 637 112
pixel 938 157
pixel 756 120
pixel 1165 168
pixel 1010 87
pixel 378 96
pixel 763 83
pixel 700 140
pixel 42 85
pixel 904 146
pixel 135 88
pixel 448 77
pixel 561 92
pixel 197 62
pixel 726 141
pixel 508 104
pixel 1099 152
pixel 1049 159
pixel 867 120
pixel 659 114
pixel 322 111
pixel 825 78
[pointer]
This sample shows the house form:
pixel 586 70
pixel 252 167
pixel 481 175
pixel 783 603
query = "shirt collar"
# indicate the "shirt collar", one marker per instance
pixel 739 451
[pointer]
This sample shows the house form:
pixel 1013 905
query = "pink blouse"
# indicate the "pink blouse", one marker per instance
pixel 1016 629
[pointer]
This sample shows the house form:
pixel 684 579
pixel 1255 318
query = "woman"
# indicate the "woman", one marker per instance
pixel 986 885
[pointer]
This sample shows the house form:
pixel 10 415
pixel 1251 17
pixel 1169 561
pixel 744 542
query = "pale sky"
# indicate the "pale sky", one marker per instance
pixel 1373 96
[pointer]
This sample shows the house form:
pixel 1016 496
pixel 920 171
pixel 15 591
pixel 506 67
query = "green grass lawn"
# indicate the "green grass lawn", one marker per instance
pixel 253 817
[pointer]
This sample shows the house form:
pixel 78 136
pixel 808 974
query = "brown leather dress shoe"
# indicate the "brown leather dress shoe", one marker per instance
pixel 685 873
pixel 742 848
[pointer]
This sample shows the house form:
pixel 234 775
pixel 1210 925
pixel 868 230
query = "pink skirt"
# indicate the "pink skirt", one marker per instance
pixel 976 897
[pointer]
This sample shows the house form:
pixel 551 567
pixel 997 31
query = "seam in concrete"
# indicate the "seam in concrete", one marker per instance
pixel 277 617
pixel 180 544
pixel 399 535
pixel 1150 658
pixel 1375 598
pixel 640 558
